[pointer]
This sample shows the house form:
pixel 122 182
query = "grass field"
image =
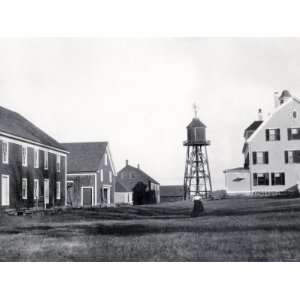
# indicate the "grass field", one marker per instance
pixel 229 230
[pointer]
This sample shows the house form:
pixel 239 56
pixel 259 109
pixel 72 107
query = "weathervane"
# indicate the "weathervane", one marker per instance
pixel 195 106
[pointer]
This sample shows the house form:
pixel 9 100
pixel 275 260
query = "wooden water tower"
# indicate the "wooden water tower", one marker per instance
pixel 197 181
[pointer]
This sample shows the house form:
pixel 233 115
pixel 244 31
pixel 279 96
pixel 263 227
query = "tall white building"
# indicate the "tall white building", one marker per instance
pixel 271 151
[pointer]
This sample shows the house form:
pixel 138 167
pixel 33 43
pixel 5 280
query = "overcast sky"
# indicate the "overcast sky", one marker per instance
pixel 138 93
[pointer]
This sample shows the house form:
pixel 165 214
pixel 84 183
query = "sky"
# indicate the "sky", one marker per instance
pixel 138 94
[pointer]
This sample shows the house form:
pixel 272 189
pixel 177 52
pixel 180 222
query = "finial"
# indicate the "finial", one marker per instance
pixel 195 106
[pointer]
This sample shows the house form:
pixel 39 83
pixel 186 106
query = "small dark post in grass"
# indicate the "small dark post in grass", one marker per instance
pixel 198 207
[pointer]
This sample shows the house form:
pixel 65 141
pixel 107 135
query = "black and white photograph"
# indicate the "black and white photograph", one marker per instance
pixel 144 161
pixel 114 149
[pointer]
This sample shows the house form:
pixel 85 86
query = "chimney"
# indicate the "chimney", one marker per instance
pixel 126 162
pixel 260 115
pixel 138 166
pixel 276 99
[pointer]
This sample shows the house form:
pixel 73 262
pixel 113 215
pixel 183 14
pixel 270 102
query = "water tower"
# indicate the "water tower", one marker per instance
pixel 197 181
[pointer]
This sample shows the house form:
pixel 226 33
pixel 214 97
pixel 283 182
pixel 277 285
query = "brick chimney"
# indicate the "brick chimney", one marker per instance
pixel 126 162
pixel 138 166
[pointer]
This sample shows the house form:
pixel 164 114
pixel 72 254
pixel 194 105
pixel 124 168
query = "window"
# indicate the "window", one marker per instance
pixel 46 159
pixel 294 114
pixel 57 189
pixel 260 157
pixel 5 152
pixel 24 188
pixel 46 191
pixel 293 133
pixel 292 156
pixel 278 178
pixel 24 156
pixel 105 159
pixel 36 189
pixel 273 134
pixel 261 179
pixel 58 163
pixel 36 158
pixel 101 174
pixel 110 177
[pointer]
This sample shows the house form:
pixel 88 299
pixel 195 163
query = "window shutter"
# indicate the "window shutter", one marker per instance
pixel 266 157
pixel 282 178
pixel 286 157
pixel 254 158
pixel 289 133
pixel 267 135
pixel 278 134
pixel 255 178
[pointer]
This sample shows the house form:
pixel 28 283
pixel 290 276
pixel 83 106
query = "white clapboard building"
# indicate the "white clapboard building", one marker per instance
pixel 271 151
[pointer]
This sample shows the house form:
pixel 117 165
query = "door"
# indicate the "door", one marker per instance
pixel 5 190
pixel 87 196
pixel 70 195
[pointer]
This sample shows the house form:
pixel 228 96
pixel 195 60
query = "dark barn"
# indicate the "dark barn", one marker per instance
pixel 145 189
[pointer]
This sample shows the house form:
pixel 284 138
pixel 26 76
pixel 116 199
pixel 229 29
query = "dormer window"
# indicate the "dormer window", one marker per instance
pixel 294 114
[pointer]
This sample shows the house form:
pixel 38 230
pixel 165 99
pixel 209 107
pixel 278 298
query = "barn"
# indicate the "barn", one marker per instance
pixel 91 174
pixel 145 189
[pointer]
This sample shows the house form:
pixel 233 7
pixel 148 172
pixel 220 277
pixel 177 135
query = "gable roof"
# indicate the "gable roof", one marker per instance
pixel 272 115
pixel 85 157
pixel 121 187
pixel 129 183
pixel 14 124
pixel 196 123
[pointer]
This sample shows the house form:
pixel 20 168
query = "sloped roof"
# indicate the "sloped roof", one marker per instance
pixel 85 157
pixel 253 126
pixel 121 187
pixel 14 124
pixel 196 123
pixel 129 183
pixel 171 190
pixel 237 170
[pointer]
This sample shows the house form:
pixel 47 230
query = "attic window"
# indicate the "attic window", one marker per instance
pixel 294 114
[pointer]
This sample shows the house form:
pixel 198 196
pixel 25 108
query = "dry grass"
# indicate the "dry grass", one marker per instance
pixel 229 230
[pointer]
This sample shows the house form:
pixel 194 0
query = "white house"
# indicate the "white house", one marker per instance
pixel 271 151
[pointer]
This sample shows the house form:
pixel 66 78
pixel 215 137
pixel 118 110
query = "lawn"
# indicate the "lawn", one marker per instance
pixel 228 230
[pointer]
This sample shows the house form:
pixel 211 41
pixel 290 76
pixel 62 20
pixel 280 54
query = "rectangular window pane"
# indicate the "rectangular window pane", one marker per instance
pixel 58 163
pixel 5 152
pixel 46 191
pixel 46 158
pixel 36 158
pixel 24 156
pixel 58 190
pixel 24 188
pixel 36 189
